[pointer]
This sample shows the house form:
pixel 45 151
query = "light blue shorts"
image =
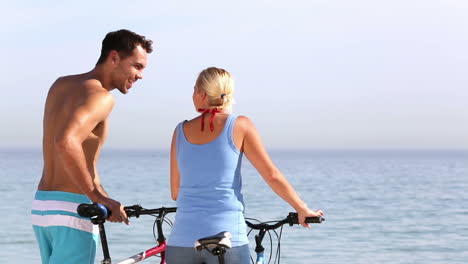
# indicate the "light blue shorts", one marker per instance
pixel 63 236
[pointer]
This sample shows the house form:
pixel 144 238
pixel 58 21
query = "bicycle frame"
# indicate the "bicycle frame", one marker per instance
pixel 260 258
pixel 259 249
pixel 161 248
pixel 98 214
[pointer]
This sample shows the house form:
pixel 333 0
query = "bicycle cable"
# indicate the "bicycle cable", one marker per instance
pixel 271 247
pixel 278 237
pixel 278 248
pixel 165 220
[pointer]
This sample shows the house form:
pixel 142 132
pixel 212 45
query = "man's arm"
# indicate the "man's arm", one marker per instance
pixel 68 144
pixel 97 178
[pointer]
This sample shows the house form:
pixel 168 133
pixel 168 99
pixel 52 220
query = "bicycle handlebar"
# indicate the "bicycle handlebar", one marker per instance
pixel 291 219
pixel 137 210
pixel 100 211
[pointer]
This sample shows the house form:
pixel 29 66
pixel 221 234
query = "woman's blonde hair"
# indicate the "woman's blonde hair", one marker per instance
pixel 218 85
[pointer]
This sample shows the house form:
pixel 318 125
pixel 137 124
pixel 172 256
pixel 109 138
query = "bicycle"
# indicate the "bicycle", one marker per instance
pixel 99 213
pixel 216 244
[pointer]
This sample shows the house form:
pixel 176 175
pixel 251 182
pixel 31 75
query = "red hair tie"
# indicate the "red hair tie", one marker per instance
pixel 213 112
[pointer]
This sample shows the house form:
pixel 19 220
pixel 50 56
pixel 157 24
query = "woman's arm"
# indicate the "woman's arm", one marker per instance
pixel 254 150
pixel 175 175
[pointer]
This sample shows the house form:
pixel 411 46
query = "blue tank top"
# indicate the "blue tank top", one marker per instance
pixel 209 199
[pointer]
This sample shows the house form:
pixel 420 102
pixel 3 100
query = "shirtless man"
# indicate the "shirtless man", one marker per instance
pixel 74 129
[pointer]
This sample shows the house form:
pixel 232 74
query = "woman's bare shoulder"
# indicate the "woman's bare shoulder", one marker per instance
pixel 190 122
pixel 244 122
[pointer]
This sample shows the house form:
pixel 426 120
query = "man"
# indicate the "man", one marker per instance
pixel 74 129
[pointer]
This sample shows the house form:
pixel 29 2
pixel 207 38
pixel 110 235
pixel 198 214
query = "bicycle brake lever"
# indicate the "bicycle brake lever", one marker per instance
pixel 292 219
pixel 133 211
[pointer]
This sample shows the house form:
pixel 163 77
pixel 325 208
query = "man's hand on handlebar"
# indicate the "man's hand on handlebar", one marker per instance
pixel 118 214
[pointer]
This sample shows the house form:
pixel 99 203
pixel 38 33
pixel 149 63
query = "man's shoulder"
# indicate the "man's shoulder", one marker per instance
pixel 79 81
pixel 92 92
pixel 92 85
pixel 68 78
pixel 100 97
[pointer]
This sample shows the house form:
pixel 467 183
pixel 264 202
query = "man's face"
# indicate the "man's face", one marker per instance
pixel 129 70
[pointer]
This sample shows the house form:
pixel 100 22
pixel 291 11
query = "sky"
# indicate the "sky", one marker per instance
pixel 310 74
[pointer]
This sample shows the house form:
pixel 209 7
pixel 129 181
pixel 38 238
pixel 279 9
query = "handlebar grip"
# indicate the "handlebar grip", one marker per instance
pixel 93 210
pixel 314 220
pixel 293 219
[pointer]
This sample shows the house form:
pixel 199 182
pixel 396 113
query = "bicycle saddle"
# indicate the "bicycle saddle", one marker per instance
pixel 221 239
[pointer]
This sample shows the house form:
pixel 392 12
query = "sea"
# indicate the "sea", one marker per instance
pixel 381 206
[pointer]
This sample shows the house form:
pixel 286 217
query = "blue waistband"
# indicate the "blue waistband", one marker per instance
pixel 61 196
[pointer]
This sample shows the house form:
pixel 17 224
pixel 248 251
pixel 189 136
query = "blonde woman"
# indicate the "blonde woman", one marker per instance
pixel 206 155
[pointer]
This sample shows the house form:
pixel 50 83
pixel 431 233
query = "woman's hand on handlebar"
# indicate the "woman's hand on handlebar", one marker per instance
pixel 302 214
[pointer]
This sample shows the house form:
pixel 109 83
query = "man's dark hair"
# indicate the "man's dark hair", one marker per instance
pixel 123 41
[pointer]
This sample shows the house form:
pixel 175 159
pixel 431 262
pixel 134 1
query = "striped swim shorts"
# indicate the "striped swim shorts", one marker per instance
pixel 63 236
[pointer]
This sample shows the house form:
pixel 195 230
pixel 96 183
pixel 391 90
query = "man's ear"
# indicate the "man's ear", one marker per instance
pixel 114 57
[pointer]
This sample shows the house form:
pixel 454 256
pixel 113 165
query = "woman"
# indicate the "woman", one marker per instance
pixel 206 155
